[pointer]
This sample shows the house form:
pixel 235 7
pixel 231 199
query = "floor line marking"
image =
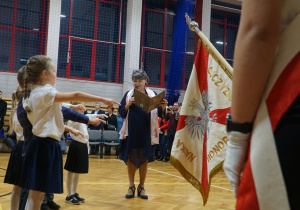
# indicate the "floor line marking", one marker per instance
pixel 182 177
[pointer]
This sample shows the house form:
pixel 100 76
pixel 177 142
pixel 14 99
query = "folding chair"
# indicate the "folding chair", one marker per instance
pixel 110 138
pixel 94 137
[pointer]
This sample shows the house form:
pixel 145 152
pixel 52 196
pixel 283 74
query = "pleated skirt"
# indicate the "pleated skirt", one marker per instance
pixel 42 167
pixel 14 167
pixel 78 158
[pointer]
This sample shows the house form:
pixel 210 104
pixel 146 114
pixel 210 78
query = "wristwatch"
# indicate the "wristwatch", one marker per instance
pixel 239 127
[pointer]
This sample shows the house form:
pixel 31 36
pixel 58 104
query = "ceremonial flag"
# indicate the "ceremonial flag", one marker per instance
pixel 200 142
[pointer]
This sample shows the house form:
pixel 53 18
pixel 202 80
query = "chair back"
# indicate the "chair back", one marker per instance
pixel 110 136
pixel 94 135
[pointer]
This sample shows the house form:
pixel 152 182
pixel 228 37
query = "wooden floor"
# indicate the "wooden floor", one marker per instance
pixel 105 186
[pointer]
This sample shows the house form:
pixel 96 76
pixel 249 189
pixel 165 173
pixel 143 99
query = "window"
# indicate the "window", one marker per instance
pixel 22 32
pixel 223 32
pixel 92 33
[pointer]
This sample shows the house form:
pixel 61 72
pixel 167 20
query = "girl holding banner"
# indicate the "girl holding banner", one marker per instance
pixel 266 92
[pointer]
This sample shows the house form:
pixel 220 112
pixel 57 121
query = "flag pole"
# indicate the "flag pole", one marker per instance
pixel 195 27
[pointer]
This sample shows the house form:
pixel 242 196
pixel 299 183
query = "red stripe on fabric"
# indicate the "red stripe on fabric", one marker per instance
pixel 285 91
pixel 246 196
pixel 201 65
pixel 181 122
pixel 221 115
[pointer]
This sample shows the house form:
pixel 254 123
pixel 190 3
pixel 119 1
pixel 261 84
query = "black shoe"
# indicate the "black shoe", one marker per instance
pixel 161 158
pixel 81 200
pixel 45 207
pixel 164 159
pixel 140 189
pixel 53 205
pixel 132 188
pixel 72 200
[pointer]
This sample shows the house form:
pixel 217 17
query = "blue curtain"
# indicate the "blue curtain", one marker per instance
pixel 179 47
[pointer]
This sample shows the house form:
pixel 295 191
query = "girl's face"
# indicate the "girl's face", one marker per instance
pixel 139 84
pixel 51 75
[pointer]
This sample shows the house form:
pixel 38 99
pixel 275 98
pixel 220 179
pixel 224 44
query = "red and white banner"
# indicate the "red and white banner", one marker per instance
pixel 200 143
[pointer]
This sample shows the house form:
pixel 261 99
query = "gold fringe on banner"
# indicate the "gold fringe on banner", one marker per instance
pixel 191 179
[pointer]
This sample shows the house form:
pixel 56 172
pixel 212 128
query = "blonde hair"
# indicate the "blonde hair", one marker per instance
pixel 21 76
pixel 75 102
pixel 16 95
pixel 34 68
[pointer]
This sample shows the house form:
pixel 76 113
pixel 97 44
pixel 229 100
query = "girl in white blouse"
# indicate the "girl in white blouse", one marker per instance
pixel 43 162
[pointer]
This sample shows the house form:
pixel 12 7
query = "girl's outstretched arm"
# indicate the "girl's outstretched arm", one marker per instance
pixel 74 131
pixel 84 97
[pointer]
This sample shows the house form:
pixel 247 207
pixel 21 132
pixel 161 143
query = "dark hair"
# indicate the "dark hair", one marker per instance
pixel 34 68
pixel 21 76
pixel 112 108
pixel 140 75
pixel 0 91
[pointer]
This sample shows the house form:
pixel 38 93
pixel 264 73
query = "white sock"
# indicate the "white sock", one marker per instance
pixel 69 179
pixel 75 183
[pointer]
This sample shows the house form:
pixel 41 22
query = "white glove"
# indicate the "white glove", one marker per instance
pixel 237 148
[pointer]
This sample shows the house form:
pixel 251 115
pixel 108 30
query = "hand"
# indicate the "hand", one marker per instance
pixel 79 108
pixel 102 116
pixel 157 133
pixel 110 102
pixel 96 121
pixel 235 158
pixel 132 100
pixel 163 103
pixel 179 109
pixel 170 111
pixel 76 132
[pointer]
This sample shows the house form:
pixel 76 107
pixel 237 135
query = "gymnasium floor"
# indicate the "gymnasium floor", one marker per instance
pixel 105 186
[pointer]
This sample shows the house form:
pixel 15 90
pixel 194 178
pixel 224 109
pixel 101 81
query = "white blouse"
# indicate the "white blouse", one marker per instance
pixel 46 116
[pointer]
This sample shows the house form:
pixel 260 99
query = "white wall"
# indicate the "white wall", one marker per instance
pixel 107 90
pixel 133 38
pixel 206 13
pixel 8 83
pixel 53 29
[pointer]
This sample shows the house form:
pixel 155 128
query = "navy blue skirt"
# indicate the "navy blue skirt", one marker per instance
pixel 137 156
pixel 42 167
pixel 13 172
pixel 78 158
